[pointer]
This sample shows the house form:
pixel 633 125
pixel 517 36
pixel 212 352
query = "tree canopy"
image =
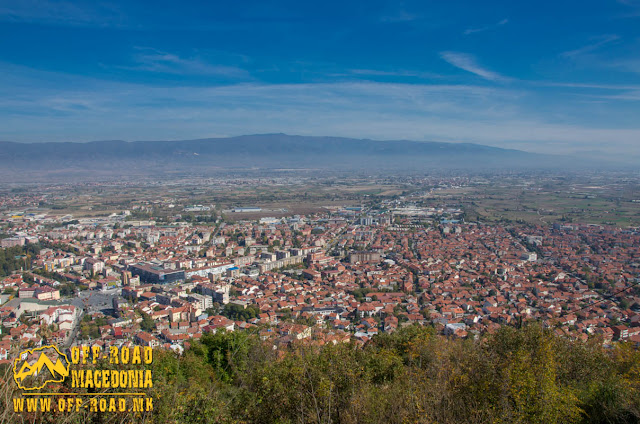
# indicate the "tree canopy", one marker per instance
pixel 526 375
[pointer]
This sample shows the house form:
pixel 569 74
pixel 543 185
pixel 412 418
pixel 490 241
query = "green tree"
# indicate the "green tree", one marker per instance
pixel 147 324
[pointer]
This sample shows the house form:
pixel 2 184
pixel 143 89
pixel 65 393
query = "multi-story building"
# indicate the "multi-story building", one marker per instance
pixel 153 274
pixel 364 257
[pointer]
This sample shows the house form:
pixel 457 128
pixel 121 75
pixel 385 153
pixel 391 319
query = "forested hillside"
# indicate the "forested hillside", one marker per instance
pixel 412 376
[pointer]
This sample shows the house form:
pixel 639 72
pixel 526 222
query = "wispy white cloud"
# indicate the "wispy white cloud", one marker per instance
pixel 634 4
pixel 614 87
pixel 625 65
pixel 399 16
pixel 631 95
pixel 469 31
pixel 153 60
pixel 596 44
pixel 80 109
pixel 62 12
pixel 397 73
pixel 468 63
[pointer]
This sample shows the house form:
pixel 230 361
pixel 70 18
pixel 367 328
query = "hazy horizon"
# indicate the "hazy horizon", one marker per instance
pixel 540 78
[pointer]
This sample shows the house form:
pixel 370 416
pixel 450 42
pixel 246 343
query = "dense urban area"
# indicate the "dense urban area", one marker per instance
pixel 182 267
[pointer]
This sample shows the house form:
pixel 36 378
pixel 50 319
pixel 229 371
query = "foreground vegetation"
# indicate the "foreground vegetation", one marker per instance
pixel 515 376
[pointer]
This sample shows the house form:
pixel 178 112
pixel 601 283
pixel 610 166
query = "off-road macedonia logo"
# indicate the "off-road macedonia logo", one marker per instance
pixel 34 368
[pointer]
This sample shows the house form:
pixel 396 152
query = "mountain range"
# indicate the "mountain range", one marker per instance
pixel 265 151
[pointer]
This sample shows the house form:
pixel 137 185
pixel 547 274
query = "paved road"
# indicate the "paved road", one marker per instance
pixel 74 332
pixel 97 300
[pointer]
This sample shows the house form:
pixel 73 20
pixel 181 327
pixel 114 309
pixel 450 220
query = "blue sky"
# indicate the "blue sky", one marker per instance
pixel 560 76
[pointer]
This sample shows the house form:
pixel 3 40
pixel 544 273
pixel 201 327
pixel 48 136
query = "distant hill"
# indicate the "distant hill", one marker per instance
pixel 265 151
